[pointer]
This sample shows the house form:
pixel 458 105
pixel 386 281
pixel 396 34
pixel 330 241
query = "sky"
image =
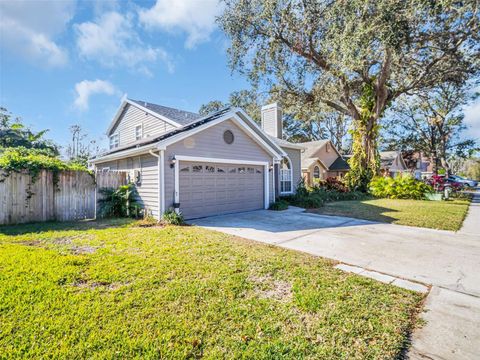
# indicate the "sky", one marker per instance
pixel 66 62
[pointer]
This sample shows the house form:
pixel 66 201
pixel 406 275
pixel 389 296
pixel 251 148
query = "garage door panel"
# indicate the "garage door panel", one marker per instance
pixel 210 189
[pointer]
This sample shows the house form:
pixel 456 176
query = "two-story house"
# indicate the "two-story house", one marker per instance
pixel 201 165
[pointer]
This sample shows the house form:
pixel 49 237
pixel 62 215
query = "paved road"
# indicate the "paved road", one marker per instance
pixel 448 261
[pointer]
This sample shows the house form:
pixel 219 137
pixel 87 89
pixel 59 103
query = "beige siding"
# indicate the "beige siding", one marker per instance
pixel 148 189
pixel 326 153
pixel 295 158
pixel 209 143
pixel 131 117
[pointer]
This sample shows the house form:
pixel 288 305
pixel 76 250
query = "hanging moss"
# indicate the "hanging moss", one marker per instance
pixel 364 163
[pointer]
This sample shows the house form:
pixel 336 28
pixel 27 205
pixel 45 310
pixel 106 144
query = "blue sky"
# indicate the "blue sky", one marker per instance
pixel 70 62
pixel 66 62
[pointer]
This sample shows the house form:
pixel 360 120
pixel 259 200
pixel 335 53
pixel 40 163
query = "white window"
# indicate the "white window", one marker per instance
pixel 114 141
pixel 285 177
pixel 316 172
pixel 138 132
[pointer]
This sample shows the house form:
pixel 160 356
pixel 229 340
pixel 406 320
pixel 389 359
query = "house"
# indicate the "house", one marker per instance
pixel 321 160
pixel 201 165
pixel 418 164
pixel 392 163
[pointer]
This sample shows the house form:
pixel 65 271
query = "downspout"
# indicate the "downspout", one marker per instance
pixel 274 181
pixel 160 176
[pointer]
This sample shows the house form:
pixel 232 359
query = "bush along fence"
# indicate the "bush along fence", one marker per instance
pixel 53 196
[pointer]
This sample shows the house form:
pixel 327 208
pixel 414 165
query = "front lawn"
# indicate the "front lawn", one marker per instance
pixel 113 290
pixel 444 215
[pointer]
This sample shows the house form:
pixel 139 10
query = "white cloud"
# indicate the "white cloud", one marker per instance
pixel 29 28
pixel 472 119
pixel 113 41
pixel 194 17
pixel 86 88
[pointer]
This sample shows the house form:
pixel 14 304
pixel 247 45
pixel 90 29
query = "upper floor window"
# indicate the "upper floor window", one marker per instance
pixel 328 147
pixel 114 141
pixel 316 172
pixel 138 132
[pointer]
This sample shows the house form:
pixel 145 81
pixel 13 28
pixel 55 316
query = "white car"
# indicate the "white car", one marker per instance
pixel 466 182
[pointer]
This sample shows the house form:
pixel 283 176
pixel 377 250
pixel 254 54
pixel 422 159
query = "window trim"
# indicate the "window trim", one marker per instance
pixel 316 167
pixel 141 131
pixel 290 176
pixel 117 135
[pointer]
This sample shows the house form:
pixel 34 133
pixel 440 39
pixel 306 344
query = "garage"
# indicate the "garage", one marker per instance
pixel 207 188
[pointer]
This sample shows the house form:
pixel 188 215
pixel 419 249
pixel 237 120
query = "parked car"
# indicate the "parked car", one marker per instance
pixel 466 182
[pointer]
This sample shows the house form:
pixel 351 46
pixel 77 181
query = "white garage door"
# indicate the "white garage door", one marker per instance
pixel 211 189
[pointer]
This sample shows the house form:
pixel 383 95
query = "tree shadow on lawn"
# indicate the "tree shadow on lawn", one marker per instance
pixel 40 227
pixel 357 210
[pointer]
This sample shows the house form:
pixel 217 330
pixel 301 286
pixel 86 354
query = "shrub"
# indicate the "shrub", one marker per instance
pixel 279 205
pixel 325 191
pixel 400 187
pixel 333 184
pixel 170 217
pixel 119 202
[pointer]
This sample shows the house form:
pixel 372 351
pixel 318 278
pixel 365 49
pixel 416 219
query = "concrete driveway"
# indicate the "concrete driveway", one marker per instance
pixel 448 261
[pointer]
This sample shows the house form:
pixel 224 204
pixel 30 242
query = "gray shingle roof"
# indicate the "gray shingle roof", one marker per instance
pixel 339 164
pixel 179 116
pixel 152 139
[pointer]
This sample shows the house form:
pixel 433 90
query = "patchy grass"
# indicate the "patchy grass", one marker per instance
pixel 443 215
pixel 179 292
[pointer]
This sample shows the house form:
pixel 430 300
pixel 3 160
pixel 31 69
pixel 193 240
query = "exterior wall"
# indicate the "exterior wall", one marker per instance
pixel 133 116
pixel 295 156
pixel 209 143
pixel 327 157
pixel 148 188
pixel 308 173
pixel 337 173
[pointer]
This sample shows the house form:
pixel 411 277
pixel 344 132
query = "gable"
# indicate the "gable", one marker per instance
pixel 130 117
pixel 327 153
pixel 209 143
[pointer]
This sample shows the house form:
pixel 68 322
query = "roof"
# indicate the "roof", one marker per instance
pixel 153 139
pixel 312 146
pixel 306 163
pixel 339 164
pixel 388 157
pixel 181 117
pixel 285 143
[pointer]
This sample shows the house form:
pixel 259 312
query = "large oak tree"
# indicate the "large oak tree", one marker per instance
pixel 356 56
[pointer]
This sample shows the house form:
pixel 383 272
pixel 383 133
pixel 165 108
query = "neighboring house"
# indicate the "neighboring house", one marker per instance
pixel 321 160
pixel 201 165
pixel 392 163
pixel 419 165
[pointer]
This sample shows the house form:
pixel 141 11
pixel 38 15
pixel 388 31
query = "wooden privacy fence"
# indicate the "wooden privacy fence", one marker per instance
pixel 71 195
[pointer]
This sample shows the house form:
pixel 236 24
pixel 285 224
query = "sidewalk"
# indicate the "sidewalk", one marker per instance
pixel 471 225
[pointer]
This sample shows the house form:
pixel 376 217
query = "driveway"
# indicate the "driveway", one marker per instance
pixel 448 261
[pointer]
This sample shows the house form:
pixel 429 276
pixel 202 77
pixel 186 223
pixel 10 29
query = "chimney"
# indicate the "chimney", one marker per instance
pixel 272 120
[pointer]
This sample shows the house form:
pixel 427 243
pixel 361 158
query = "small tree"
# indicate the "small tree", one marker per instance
pixel 81 148
pixel 14 134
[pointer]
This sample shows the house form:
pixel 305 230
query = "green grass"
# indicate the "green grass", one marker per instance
pixel 444 215
pixel 113 290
